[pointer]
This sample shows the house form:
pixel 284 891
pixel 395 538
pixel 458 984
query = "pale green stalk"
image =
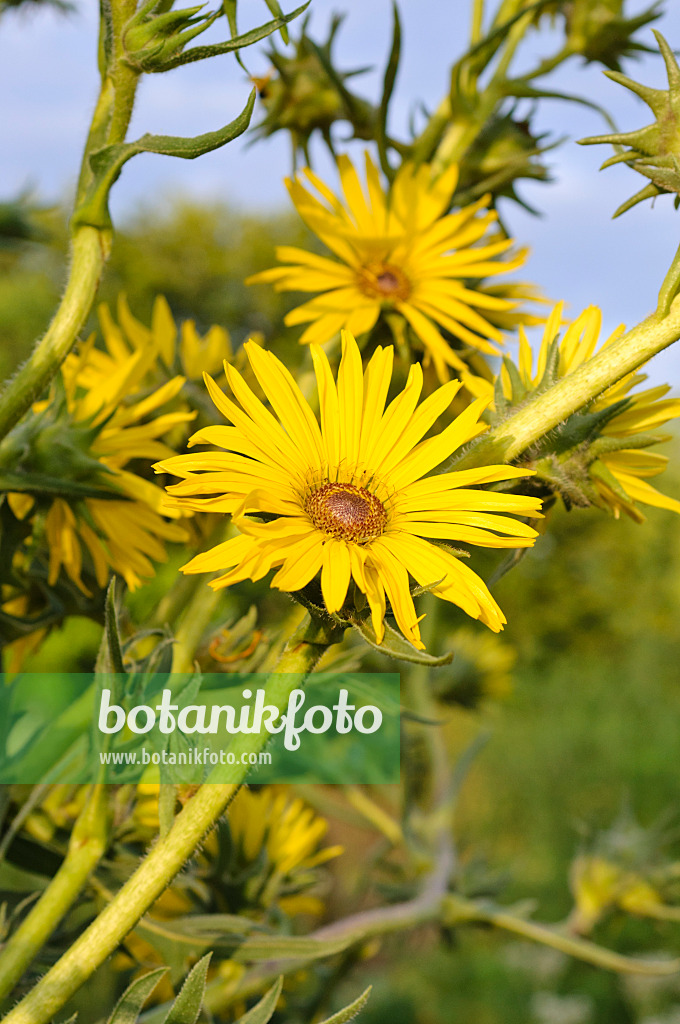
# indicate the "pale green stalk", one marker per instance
pixel 90 246
pixel 89 251
pixel 546 411
pixel 86 846
pixel 170 853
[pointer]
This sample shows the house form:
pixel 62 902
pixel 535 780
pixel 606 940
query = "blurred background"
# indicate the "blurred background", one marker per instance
pixel 581 699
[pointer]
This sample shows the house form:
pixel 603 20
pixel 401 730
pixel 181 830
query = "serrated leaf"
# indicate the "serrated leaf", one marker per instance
pixel 394 645
pixel 128 1007
pixel 263 1012
pixel 349 1012
pixel 187 1005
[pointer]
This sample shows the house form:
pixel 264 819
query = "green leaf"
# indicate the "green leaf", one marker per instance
pixel 349 1012
pixel 275 9
pixel 110 656
pixel 213 927
pixel 187 1006
pixel 129 1005
pixel 236 43
pixel 107 163
pixel 388 87
pixel 264 1010
pixel 37 483
pixel 287 947
pixel 397 646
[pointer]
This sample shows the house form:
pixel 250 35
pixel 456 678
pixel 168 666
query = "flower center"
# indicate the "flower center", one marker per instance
pixel 346 512
pixel 384 281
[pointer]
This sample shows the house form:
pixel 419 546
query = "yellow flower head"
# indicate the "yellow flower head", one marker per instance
pixel 396 251
pixel 349 497
pixel 273 849
pixel 107 406
pixel 620 475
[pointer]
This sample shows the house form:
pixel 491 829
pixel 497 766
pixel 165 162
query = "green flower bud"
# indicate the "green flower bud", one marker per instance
pixel 598 30
pixel 653 150
pixel 150 41
pixel 305 93
pixel 502 153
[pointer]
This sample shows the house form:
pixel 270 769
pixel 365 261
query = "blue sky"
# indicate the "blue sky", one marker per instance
pixel 579 254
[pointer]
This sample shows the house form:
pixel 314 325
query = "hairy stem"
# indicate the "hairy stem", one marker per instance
pixel 545 411
pixel 87 844
pixel 166 858
pixel 89 251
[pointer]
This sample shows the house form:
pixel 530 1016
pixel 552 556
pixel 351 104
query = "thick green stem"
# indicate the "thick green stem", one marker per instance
pixel 87 844
pixel 90 246
pixel 545 411
pixel 166 858
pixel 89 251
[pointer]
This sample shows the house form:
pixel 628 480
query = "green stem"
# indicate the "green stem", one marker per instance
pixel 167 857
pixel 87 844
pixel 90 248
pixel 477 21
pixel 549 64
pixel 192 626
pixel 670 287
pixel 459 911
pixel 545 411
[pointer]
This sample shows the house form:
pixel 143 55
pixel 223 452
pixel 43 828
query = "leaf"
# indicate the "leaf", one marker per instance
pixel 110 655
pixel 129 1006
pixel 236 43
pixel 264 1010
pixel 287 947
pixel 275 9
pixel 108 162
pixel 187 1006
pixel 34 483
pixel 388 87
pixel 213 927
pixel 397 646
pixel 349 1012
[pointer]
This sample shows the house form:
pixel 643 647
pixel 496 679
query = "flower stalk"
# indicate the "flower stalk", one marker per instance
pixel 86 847
pixel 544 412
pixel 167 857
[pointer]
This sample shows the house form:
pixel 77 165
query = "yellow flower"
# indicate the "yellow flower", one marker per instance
pixel 620 476
pixel 287 830
pixel 396 250
pixel 195 353
pixel 350 497
pixel 104 400
pixel 273 850
pixel 125 535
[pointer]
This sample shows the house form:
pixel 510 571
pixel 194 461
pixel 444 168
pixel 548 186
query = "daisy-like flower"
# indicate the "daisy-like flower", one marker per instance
pixel 272 853
pixel 396 250
pixel 104 420
pixel 620 475
pixel 349 497
pixel 125 535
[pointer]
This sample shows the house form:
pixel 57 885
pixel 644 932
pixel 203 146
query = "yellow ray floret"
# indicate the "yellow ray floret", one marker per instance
pixel 399 251
pixel 127 532
pixel 646 412
pixel 350 495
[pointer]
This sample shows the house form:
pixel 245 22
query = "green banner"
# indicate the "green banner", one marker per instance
pixel 184 728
